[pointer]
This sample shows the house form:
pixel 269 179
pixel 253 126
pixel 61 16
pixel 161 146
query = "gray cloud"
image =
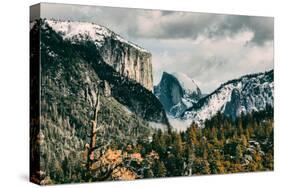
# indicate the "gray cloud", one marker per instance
pixel 191 25
pixel 210 48
pixel 262 27
pixel 135 23
pixel 174 25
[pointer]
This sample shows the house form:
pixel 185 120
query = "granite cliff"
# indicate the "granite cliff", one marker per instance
pixel 125 57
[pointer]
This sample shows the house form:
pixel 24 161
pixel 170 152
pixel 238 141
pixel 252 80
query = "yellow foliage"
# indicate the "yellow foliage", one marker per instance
pixel 137 157
pixel 122 173
pixel 111 157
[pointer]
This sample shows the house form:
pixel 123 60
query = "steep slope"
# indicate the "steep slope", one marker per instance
pixel 177 92
pixel 249 93
pixel 70 75
pixel 125 57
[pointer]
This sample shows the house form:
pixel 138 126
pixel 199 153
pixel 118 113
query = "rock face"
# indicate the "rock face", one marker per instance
pixel 125 57
pixel 233 107
pixel 249 93
pixel 129 61
pixel 177 93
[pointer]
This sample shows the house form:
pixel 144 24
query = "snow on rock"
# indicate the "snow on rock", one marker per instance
pixel 177 92
pixel 125 57
pixel 249 93
pixel 215 103
pixel 187 83
pixel 81 30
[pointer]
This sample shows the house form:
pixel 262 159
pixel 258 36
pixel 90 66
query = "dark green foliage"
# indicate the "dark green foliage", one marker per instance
pixel 69 75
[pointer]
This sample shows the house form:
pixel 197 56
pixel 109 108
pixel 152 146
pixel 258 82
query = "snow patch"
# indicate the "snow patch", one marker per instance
pixel 75 30
pixel 216 103
pixel 186 83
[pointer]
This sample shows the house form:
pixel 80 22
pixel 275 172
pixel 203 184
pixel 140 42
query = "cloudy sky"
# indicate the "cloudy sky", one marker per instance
pixel 209 48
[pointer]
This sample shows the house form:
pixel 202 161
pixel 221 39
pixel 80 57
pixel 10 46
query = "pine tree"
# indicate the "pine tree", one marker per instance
pixel 159 169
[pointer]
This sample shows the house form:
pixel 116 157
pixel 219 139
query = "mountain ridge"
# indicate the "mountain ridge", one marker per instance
pixel 243 95
pixel 228 82
pixel 124 56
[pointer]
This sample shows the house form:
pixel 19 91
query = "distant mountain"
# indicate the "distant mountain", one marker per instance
pixel 249 93
pixel 177 93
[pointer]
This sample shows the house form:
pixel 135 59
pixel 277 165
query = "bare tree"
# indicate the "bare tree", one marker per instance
pixel 93 134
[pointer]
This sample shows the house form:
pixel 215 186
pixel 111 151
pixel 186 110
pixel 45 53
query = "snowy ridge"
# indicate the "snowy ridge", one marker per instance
pixel 215 103
pixel 123 56
pixel 78 31
pixel 249 93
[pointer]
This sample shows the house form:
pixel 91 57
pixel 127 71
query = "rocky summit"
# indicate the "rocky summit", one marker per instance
pixel 177 92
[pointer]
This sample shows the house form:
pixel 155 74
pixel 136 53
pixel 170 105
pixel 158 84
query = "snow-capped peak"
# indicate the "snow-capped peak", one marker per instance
pixel 177 92
pixel 186 82
pixel 80 30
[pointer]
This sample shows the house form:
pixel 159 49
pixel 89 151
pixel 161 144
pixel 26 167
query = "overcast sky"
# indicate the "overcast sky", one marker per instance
pixel 209 48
